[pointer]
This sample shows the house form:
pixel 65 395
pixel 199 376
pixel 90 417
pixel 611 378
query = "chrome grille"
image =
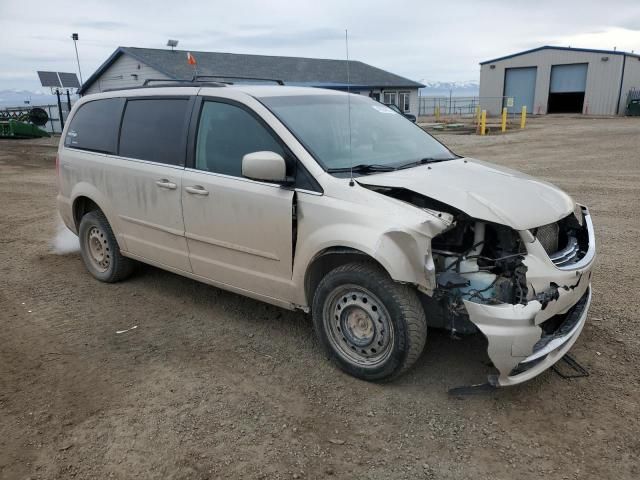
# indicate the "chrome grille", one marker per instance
pixel 568 241
pixel 567 255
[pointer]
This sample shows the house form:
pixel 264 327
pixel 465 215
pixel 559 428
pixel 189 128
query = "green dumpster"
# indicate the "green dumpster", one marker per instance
pixel 633 108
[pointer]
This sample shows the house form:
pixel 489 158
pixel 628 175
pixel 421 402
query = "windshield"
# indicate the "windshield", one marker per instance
pixel 380 137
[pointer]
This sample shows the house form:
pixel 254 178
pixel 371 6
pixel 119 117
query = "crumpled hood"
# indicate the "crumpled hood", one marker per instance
pixel 483 191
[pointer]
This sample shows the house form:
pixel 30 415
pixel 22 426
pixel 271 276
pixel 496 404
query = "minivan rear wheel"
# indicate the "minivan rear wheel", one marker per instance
pixel 372 327
pixel 100 251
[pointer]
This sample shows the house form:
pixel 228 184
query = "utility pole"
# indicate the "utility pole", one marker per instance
pixel 60 110
pixel 74 37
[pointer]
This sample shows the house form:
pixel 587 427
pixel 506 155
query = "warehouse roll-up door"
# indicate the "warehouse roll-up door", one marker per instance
pixel 566 88
pixel 519 84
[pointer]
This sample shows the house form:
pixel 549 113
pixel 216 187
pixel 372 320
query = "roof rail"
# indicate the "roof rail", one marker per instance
pixel 169 80
pixel 188 83
pixel 235 77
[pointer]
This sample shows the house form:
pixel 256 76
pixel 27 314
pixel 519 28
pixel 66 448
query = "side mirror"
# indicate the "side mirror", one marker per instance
pixel 264 166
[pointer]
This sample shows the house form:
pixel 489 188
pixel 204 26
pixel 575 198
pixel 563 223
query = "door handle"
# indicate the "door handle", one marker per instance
pixel 197 190
pixel 164 183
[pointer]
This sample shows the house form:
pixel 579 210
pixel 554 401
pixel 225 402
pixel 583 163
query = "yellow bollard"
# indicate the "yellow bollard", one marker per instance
pixel 437 113
pixel 478 115
pixel 523 117
pixel 504 120
pixel 483 122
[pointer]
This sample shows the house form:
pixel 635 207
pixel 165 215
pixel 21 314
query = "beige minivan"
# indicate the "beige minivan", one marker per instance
pixel 333 204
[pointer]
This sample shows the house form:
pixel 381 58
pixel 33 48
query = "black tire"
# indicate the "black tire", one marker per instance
pixel 98 241
pixel 359 305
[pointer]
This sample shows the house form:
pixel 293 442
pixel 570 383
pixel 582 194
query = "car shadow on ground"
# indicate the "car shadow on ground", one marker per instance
pixel 447 361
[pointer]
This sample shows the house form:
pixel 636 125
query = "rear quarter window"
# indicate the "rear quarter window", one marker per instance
pixel 155 130
pixel 94 126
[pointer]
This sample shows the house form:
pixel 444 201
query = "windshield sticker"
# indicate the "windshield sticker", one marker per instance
pixel 383 109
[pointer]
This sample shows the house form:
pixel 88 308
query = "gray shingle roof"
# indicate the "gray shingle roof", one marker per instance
pixel 550 47
pixel 293 70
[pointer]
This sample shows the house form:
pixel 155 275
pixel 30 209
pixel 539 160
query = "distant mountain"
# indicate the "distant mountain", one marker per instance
pixel 18 98
pixel 469 88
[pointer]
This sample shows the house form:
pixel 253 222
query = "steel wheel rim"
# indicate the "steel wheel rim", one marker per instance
pixel 98 249
pixel 358 325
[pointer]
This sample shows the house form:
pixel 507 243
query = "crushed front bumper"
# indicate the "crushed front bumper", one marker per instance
pixel 525 340
pixel 519 348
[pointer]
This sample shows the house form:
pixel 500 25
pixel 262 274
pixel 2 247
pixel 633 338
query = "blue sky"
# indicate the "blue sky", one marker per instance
pixel 422 40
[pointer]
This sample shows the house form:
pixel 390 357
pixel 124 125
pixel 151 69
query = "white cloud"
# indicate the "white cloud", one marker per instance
pixel 607 39
pixel 417 39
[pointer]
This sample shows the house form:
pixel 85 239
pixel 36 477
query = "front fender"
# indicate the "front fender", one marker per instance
pixel 395 234
pixel 405 256
pixel 399 252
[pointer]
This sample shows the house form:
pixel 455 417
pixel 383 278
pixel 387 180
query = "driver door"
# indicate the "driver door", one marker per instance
pixel 239 231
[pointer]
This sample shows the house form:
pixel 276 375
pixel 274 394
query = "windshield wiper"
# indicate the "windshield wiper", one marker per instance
pixel 422 161
pixel 362 168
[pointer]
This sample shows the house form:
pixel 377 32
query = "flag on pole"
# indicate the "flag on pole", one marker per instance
pixel 191 60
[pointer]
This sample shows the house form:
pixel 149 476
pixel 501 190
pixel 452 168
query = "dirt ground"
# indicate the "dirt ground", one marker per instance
pixel 213 385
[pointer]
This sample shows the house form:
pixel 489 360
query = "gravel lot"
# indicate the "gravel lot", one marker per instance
pixel 214 385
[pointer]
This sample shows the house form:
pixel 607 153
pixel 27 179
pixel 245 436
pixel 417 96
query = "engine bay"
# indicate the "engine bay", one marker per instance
pixel 480 262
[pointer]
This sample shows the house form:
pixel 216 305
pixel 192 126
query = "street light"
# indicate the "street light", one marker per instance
pixel 74 37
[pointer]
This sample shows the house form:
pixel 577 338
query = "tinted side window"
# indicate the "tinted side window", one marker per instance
pixel 226 133
pixel 94 127
pixel 155 130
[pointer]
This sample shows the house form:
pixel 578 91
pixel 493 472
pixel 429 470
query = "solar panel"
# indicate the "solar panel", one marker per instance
pixel 69 80
pixel 49 79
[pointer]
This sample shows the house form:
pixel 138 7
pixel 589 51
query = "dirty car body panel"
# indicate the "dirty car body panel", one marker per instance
pixel 485 248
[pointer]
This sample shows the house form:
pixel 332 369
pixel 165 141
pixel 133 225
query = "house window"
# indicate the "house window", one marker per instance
pixel 404 101
pixel 391 97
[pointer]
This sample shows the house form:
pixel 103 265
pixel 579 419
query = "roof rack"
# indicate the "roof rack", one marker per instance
pixel 235 77
pixel 188 82
pixel 197 81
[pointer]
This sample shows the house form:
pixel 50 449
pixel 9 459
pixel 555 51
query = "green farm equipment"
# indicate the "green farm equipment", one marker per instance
pixel 17 129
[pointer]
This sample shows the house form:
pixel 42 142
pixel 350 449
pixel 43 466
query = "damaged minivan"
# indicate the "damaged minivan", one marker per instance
pixel 333 204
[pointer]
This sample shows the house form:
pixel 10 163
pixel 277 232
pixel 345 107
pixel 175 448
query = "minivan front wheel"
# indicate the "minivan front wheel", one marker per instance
pixel 100 251
pixel 371 326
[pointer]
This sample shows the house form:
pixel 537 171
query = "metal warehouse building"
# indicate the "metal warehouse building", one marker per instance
pixel 560 80
pixel 130 67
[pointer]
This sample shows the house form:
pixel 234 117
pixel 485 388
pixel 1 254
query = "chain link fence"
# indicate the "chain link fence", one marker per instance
pixel 463 107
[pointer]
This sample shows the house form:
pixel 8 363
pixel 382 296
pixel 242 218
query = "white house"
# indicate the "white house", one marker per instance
pixel 130 67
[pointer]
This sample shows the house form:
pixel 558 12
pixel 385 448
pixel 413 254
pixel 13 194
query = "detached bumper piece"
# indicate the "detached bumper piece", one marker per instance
pixel 575 369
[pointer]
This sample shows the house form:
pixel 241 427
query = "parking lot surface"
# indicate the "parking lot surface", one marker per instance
pixel 214 385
